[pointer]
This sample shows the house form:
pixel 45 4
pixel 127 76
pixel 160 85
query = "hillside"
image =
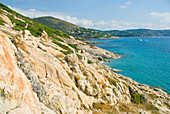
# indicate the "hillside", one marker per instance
pixel 148 32
pixel 57 24
pixel 80 32
pixel 46 71
pixel 122 33
pixel 71 29
pixel 138 33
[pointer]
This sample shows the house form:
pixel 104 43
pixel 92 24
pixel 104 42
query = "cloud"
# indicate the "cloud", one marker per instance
pixel 158 20
pixel 61 15
pixel 124 25
pixel 162 17
pixel 32 9
pixel 126 4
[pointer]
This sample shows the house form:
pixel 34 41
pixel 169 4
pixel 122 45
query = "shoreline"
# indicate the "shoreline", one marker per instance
pixel 119 70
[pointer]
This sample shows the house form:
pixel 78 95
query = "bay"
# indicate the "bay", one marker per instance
pixel 145 60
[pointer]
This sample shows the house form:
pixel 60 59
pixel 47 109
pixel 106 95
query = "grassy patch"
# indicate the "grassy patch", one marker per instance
pixel 103 106
pixel 150 106
pixel 124 108
pixel 68 50
pixel 137 98
pixel 56 38
pixel 112 81
pixel 89 61
pixel 79 56
pixel 61 45
pixel 73 46
pixel 2 22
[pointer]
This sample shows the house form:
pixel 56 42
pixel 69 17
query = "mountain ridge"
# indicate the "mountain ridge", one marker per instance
pixel 71 29
pixel 78 31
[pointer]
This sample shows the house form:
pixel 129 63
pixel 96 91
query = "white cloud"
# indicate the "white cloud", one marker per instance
pixel 162 17
pixel 158 20
pixel 32 9
pixel 75 20
pixel 64 16
pixel 123 6
pixel 123 25
pixel 126 4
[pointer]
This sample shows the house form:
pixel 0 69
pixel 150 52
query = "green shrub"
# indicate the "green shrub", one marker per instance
pixel 16 28
pixel 56 38
pixel 2 21
pixel 89 61
pixel 61 45
pixel 112 81
pixel 79 56
pixel 65 35
pixel 137 98
pixel 150 106
pixel 73 46
pixel 68 50
pixel 20 23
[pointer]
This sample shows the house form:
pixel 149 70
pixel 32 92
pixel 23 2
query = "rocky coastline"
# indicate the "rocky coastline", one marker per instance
pixel 50 76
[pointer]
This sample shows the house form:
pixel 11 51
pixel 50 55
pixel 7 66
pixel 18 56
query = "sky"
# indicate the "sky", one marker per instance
pixel 100 14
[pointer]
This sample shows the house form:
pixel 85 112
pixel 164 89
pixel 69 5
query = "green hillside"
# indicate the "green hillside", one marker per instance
pixel 26 23
pixel 149 32
pixel 57 24
pixel 138 33
pixel 120 33
pixel 71 29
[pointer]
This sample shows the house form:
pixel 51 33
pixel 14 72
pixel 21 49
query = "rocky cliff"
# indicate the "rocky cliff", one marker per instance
pixel 63 75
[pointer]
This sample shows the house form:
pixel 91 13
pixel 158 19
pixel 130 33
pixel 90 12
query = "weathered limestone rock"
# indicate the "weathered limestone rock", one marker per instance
pixel 15 89
pixel 44 36
pixel 6 19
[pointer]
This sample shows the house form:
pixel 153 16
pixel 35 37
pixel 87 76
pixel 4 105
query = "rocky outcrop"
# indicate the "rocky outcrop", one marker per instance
pixel 97 52
pixel 16 95
pixel 6 19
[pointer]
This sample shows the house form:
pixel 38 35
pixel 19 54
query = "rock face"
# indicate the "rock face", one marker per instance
pixel 36 77
pixel 6 19
pixel 15 89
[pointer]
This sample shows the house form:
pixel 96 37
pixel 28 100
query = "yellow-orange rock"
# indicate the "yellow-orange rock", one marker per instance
pixel 16 95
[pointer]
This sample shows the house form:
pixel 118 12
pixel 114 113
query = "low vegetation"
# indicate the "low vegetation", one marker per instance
pixel 73 46
pixel 70 28
pixel 79 56
pixel 112 81
pixel 34 27
pixel 124 108
pixel 150 106
pixel 137 98
pixel 66 51
pixel 138 33
pixel 56 38
pixel 89 61
pixel 2 22
pixel 105 107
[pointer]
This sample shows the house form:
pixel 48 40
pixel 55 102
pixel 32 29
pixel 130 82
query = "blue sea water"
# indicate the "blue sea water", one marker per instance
pixel 145 60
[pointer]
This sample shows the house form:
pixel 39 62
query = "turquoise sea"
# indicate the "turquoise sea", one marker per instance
pixel 145 60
